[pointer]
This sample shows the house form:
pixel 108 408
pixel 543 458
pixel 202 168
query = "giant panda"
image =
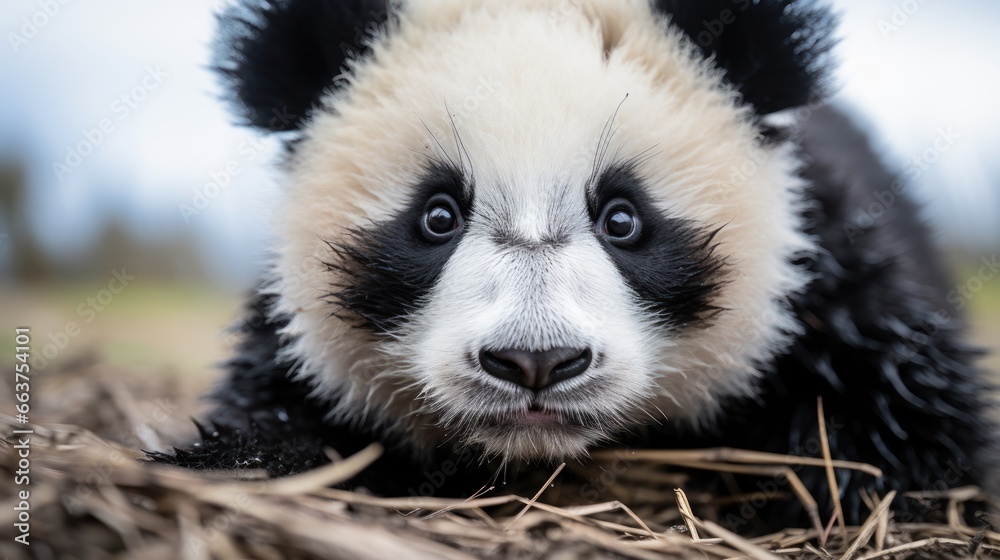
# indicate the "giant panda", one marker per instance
pixel 517 231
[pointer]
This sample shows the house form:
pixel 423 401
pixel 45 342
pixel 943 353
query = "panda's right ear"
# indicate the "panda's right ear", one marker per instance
pixel 277 58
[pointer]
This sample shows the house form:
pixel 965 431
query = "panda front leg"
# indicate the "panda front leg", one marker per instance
pixel 899 389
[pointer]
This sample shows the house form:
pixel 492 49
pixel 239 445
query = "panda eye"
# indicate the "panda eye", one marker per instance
pixel 441 219
pixel 619 223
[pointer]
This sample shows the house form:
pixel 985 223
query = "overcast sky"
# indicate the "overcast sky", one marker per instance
pixel 910 69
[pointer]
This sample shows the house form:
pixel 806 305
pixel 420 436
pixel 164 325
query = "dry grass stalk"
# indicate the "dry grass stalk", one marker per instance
pixel 92 499
pixel 537 495
pixel 870 526
pixel 831 476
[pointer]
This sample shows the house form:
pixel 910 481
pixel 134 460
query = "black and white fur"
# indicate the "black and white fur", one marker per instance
pixel 742 299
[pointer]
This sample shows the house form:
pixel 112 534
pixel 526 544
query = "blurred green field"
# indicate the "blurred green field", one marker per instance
pixel 179 330
pixel 159 329
pixel 983 314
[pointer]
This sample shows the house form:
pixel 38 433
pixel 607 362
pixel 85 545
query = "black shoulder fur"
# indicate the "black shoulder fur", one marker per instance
pixel 881 346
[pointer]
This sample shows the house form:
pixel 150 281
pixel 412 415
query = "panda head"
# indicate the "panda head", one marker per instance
pixel 530 225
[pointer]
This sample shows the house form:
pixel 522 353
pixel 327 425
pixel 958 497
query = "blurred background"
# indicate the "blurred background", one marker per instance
pixel 133 214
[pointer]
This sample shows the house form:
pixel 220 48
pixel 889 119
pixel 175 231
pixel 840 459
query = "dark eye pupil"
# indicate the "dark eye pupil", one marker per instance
pixel 440 220
pixel 620 224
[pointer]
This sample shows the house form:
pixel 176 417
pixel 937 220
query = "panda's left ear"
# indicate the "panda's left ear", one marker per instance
pixel 278 58
pixel 774 52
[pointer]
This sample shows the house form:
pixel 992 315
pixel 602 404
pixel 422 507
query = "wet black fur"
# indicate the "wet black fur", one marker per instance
pixel 881 345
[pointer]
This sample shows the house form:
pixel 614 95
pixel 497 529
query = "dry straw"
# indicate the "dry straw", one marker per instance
pixel 91 498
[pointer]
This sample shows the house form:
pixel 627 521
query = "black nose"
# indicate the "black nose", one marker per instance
pixel 535 370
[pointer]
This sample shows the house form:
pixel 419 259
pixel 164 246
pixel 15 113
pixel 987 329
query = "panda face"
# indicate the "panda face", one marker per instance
pixel 531 343
pixel 531 227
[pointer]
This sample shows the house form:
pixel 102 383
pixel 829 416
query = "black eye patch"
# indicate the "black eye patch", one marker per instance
pixel 670 264
pixel 385 269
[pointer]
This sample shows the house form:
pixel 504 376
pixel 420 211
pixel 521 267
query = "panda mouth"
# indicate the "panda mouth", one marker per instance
pixel 535 414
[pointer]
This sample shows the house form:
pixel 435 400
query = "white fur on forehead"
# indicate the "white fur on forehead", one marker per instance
pixel 529 86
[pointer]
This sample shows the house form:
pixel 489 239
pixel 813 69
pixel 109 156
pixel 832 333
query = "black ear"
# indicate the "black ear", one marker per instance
pixel 278 57
pixel 773 51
